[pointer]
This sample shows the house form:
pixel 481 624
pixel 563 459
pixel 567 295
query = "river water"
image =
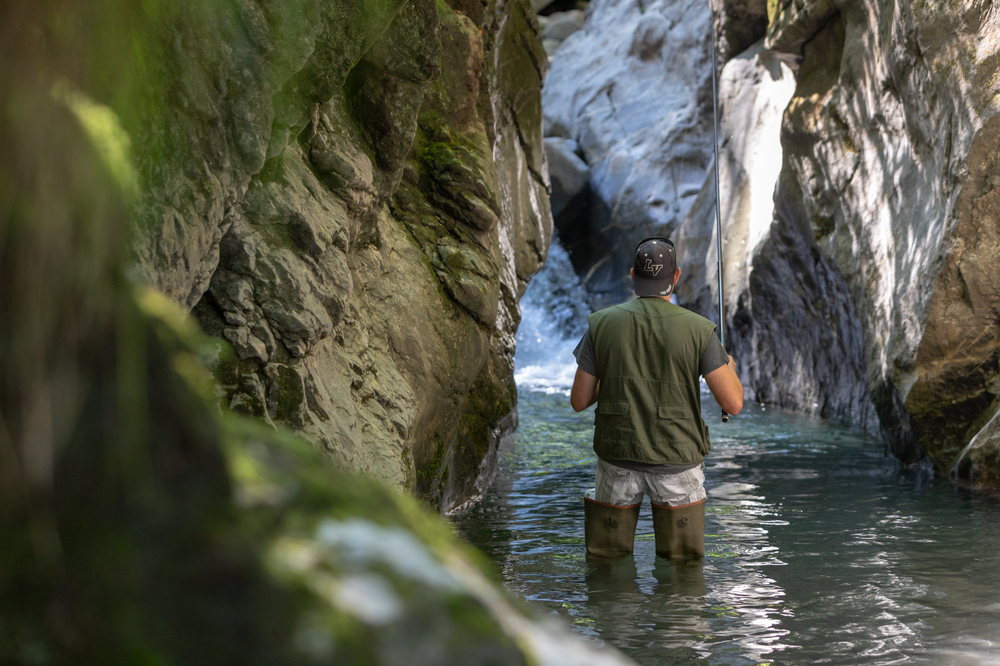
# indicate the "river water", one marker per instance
pixel 819 549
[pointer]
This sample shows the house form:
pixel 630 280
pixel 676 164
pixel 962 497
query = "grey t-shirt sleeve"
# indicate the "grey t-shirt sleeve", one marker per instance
pixel 715 356
pixel 584 354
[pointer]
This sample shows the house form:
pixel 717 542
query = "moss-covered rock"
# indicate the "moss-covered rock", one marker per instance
pixel 270 139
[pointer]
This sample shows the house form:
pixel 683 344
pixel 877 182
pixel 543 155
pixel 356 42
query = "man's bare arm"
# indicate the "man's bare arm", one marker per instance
pixel 725 386
pixel 584 392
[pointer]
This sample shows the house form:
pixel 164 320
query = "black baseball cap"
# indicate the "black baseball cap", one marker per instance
pixel 655 263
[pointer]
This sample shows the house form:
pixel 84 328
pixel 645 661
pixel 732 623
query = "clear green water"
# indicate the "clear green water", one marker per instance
pixel 819 550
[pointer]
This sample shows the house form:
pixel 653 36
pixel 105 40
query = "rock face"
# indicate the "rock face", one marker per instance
pixel 891 145
pixel 353 195
pixel 633 90
pixel 858 145
pixel 569 174
pixel 884 185
pixel 785 301
pixel 140 523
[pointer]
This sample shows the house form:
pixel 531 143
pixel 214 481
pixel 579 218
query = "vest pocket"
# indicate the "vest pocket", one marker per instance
pixel 613 428
pixel 681 430
pixel 674 412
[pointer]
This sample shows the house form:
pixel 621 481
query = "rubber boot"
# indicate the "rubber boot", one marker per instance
pixel 680 531
pixel 610 530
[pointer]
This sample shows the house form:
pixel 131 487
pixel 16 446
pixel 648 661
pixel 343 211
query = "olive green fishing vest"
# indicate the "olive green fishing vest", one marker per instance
pixel 649 408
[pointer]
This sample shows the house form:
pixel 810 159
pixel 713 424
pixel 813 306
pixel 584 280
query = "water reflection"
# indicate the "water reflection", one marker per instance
pixel 818 550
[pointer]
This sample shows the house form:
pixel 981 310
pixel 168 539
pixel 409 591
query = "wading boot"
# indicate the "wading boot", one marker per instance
pixel 680 531
pixel 610 530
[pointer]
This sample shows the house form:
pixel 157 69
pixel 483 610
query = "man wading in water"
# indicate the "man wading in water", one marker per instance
pixel 647 355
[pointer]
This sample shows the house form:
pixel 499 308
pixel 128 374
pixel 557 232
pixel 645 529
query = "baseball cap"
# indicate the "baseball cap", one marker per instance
pixel 654 264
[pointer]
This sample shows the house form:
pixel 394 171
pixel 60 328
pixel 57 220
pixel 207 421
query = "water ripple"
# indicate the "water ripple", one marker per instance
pixel 818 550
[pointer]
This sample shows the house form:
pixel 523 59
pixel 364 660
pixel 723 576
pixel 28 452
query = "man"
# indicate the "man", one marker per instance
pixel 645 357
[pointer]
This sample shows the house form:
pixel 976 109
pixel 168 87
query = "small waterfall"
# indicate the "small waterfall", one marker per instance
pixel 553 318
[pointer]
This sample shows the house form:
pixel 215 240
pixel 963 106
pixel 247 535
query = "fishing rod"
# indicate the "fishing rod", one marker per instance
pixel 718 213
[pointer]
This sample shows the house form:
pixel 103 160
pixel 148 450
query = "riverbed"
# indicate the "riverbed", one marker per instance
pixel 819 548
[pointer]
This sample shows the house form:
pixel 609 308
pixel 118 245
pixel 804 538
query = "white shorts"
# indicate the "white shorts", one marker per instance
pixel 623 487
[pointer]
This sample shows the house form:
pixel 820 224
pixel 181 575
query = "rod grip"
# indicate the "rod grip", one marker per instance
pixel 725 417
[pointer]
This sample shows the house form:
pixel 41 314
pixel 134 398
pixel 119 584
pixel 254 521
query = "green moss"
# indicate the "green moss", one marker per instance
pixel 436 461
pixel 477 429
pixel 437 147
pixel 221 360
pixel 287 387
pixel 773 8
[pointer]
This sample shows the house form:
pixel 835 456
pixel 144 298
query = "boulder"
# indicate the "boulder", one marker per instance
pixel 563 24
pixel 570 175
pixel 978 465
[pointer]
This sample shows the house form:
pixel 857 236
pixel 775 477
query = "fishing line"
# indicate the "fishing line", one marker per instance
pixel 718 213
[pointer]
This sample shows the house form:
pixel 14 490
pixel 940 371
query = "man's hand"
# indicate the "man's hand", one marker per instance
pixel 725 386
pixel 584 392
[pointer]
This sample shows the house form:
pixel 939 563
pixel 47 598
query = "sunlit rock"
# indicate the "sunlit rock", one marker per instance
pixel 791 321
pixel 881 216
pixel 892 139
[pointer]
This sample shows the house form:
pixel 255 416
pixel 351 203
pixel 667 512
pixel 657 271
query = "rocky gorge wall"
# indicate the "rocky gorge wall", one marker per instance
pixel 857 148
pixel 140 522
pixel 352 195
